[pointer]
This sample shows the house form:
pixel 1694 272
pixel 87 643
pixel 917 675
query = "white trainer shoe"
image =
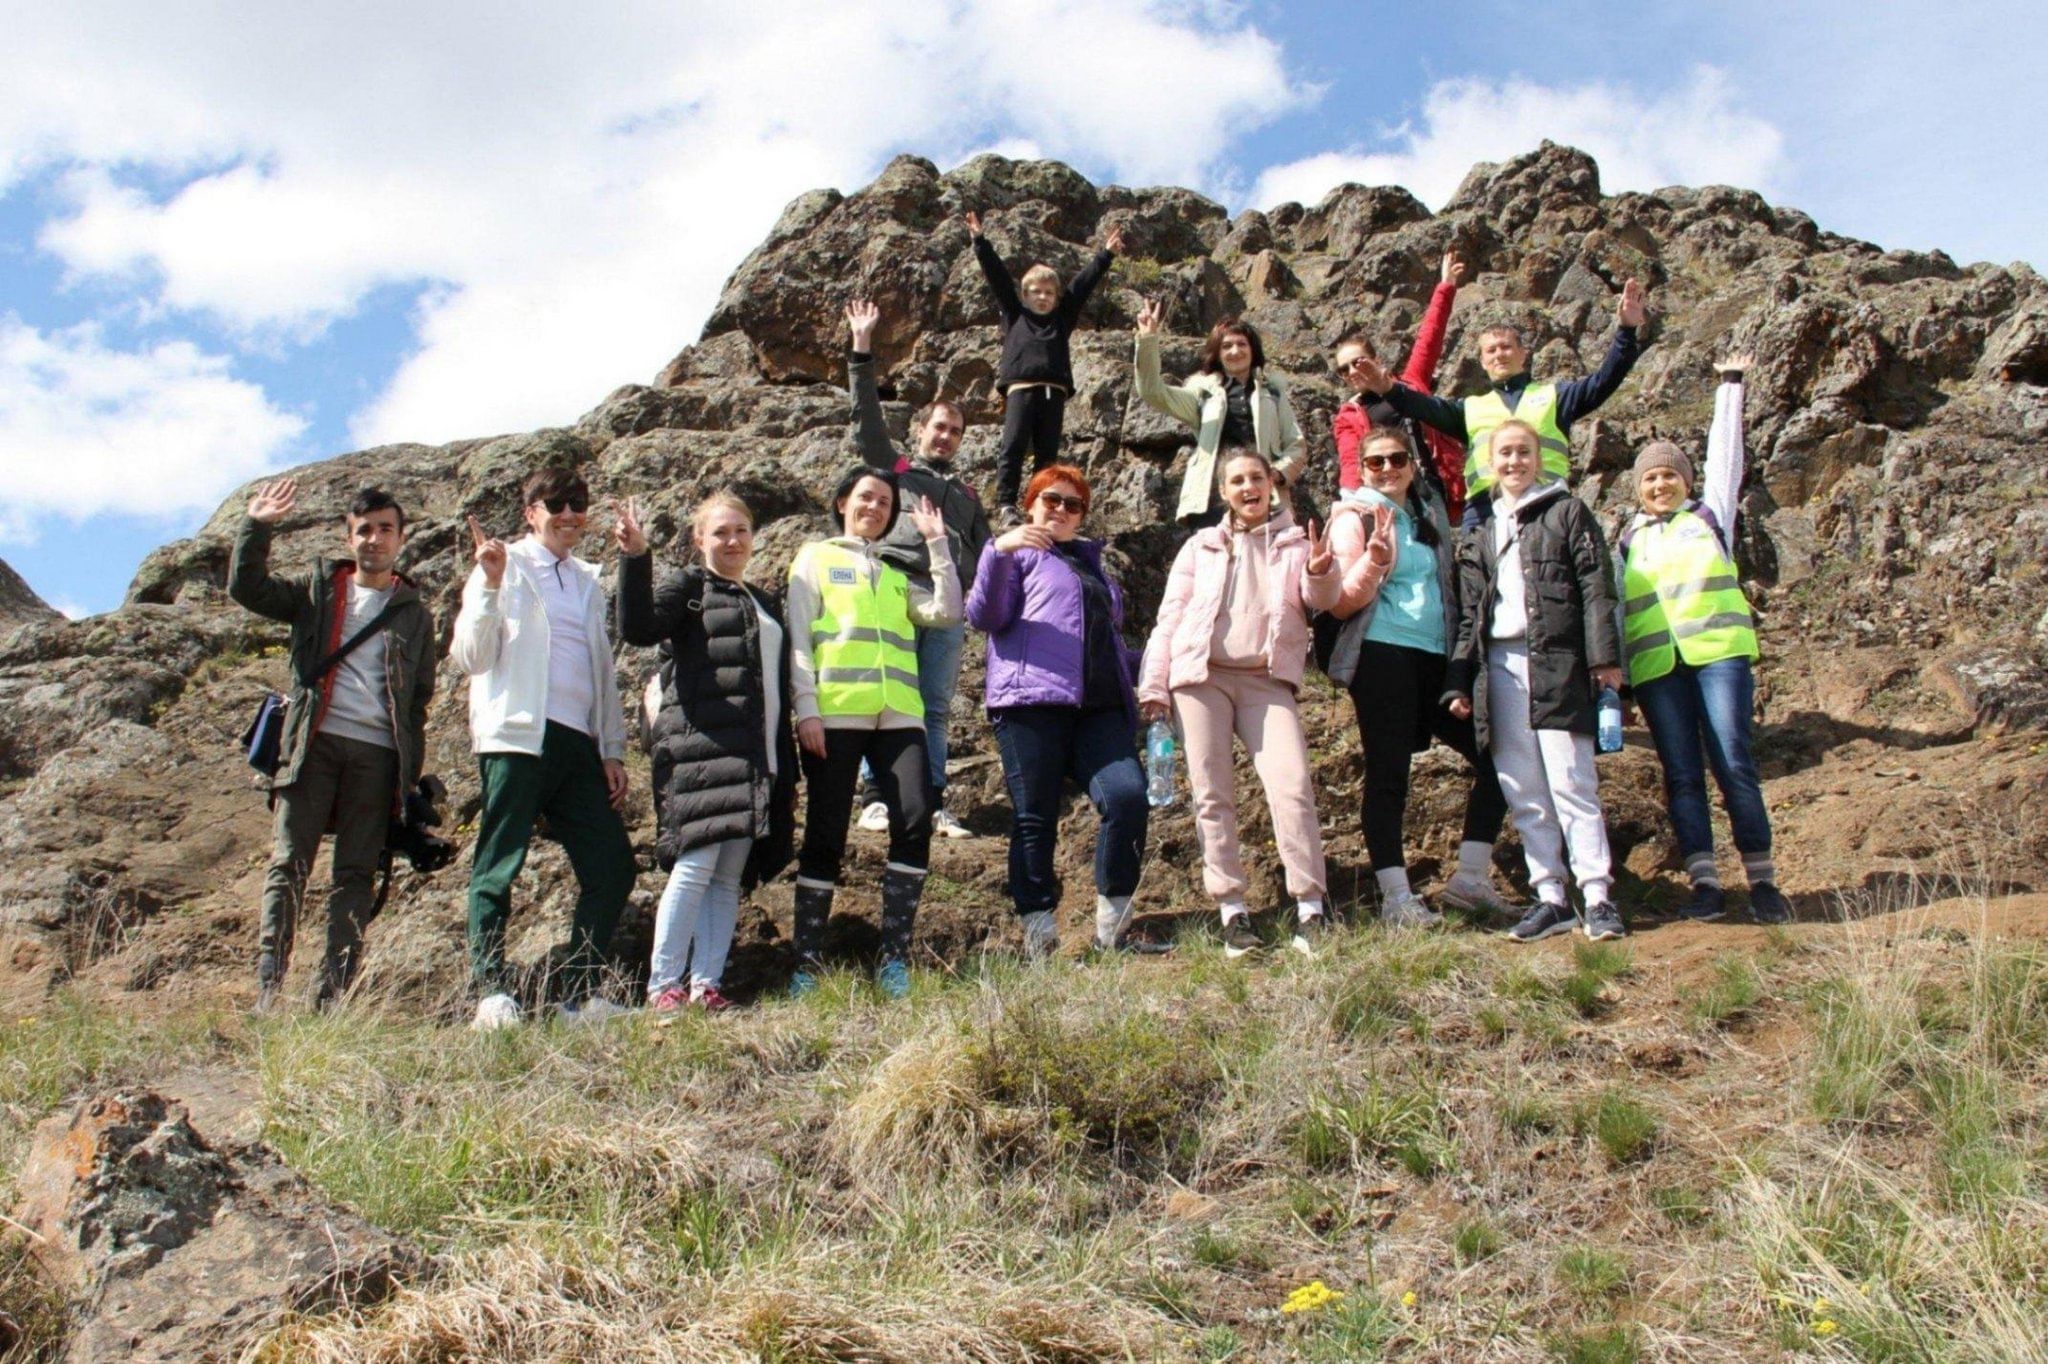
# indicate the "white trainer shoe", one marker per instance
pixel 1409 911
pixel 1041 935
pixel 945 826
pixel 592 1010
pixel 875 817
pixel 494 1012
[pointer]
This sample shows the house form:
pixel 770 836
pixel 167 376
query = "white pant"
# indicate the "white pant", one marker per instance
pixel 699 907
pixel 1548 778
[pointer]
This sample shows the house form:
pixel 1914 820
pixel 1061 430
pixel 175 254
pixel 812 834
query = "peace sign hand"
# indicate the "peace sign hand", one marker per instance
pixel 631 538
pixel 1380 546
pixel 1152 317
pixel 490 555
pixel 1114 242
pixel 1320 559
pixel 274 501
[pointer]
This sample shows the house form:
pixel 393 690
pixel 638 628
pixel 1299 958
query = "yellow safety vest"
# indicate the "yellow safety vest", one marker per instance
pixel 1681 599
pixel 863 646
pixel 1484 413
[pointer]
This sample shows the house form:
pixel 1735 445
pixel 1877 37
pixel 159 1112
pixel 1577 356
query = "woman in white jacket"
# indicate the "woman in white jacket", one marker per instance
pixel 1232 402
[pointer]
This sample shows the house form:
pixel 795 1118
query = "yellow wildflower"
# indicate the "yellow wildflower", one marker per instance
pixel 1311 1297
pixel 1825 1327
pixel 1408 1298
pixel 1821 1307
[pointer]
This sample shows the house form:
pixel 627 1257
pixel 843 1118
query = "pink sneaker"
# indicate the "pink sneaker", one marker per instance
pixel 707 998
pixel 667 1005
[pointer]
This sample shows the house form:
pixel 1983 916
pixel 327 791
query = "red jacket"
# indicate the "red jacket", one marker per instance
pixel 1352 424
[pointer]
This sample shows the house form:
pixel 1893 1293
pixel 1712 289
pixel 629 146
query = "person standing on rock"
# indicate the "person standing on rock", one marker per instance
pixel 550 738
pixel 926 474
pixel 1537 640
pixel 1365 412
pixel 1690 639
pixel 853 679
pixel 1036 372
pixel 1549 409
pixel 724 759
pixel 1226 658
pixel 355 727
pixel 1062 703
pixel 1232 402
pixel 1399 614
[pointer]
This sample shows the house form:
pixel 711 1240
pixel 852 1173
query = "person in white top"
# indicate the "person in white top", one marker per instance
pixel 550 737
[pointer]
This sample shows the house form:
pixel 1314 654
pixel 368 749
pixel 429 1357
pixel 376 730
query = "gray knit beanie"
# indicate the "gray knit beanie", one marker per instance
pixel 1662 454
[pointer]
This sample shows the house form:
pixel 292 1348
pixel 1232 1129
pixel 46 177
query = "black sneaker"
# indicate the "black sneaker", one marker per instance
pixel 1311 936
pixel 1542 921
pixel 1603 921
pixel 1767 904
pixel 1706 905
pixel 1238 937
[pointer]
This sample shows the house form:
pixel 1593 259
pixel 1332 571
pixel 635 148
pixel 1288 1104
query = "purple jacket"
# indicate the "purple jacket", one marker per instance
pixel 1029 604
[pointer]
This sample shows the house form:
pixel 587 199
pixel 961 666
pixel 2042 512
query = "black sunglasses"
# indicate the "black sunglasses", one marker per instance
pixel 1380 463
pixel 1061 502
pixel 557 505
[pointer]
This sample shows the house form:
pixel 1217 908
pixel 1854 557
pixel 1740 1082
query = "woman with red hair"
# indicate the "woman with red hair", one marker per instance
pixel 1061 699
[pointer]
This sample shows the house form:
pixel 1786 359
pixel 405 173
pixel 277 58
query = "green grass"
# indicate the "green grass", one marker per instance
pixel 1618 1123
pixel 1592 1274
pixel 1475 1239
pixel 1732 993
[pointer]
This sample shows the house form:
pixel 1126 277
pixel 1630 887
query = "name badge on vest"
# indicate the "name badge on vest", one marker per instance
pixel 841 577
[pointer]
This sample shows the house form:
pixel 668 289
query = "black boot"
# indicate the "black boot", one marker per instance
pixel 813 908
pixel 901 890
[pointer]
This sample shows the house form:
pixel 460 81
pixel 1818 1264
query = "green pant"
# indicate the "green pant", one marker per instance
pixel 565 783
pixel 348 786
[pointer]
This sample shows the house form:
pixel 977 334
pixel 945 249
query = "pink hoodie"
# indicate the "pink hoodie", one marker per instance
pixel 1178 653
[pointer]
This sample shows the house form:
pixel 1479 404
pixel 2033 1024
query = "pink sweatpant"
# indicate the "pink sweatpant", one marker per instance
pixel 1260 711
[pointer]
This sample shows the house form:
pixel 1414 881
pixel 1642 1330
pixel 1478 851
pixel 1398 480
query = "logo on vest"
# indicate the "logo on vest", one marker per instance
pixel 841 577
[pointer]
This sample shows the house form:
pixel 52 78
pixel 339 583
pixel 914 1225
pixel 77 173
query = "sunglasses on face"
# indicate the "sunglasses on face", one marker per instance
pixel 1381 463
pixel 1355 361
pixel 557 505
pixel 1061 502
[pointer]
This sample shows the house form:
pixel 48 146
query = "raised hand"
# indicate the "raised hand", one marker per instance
pixel 1152 317
pixel 1114 242
pixel 274 501
pixel 626 528
pixel 1024 537
pixel 1452 271
pixel 490 554
pixel 861 317
pixel 1320 559
pixel 1736 365
pixel 1380 546
pixel 1376 379
pixel 973 223
pixel 1631 304
pixel 926 518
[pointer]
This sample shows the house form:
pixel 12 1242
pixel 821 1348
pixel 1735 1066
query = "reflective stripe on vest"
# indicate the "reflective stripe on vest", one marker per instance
pixel 863 646
pixel 1484 413
pixel 1681 599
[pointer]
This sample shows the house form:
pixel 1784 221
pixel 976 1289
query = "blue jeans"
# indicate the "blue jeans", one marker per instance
pixel 938 677
pixel 1700 717
pixel 1042 746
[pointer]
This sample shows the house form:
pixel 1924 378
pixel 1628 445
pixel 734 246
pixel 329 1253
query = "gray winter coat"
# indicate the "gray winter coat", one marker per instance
pixel 1570 591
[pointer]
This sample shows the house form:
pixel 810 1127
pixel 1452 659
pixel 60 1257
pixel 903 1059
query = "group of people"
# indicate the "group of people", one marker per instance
pixel 1458 592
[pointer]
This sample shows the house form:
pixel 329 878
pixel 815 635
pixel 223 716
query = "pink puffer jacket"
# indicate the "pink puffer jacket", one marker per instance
pixel 1178 653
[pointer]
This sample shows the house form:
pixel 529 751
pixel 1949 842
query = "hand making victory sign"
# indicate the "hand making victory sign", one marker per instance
pixel 1320 557
pixel 1380 545
pixel 631 538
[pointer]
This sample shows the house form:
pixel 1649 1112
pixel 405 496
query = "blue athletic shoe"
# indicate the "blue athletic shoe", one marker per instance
pixel 892 978
pixel 802 983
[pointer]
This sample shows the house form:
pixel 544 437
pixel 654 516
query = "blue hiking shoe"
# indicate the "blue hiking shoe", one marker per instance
pixel 803 982
pixel 892 978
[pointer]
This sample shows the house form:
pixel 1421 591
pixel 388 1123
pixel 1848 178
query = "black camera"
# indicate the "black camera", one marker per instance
pixel 409 836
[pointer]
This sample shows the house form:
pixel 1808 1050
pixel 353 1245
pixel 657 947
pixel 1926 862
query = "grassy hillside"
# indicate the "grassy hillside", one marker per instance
pixel 1704 1143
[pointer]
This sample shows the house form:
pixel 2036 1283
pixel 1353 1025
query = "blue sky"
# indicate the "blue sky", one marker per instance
pixel 236 240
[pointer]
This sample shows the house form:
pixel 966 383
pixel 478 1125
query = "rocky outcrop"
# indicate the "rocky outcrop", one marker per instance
pixel 174 1247
pixel 1893 536
pixel 18 601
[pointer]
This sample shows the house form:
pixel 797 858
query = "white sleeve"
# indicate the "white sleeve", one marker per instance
pixel 1721 483
pixel 479 626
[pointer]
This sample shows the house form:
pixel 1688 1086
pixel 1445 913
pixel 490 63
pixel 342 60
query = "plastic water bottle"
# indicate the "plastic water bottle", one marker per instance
pixel 1610 721
pixel 1159 782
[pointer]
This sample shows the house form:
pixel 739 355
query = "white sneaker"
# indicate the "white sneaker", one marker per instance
pixel 494 1012
pixel 945 826
pixel 1476 893
pixel 1041 935
pixel 875 818
pixel 1409 911
pixel 592 1010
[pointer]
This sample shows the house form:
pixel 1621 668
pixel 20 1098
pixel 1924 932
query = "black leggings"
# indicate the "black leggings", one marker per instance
pixel 1032 420
pixel 902 777
pixel 1397 692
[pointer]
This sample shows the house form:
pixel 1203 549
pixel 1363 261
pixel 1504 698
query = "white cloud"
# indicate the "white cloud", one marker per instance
pixel 569 186
pixel 85 428
pixel 1693 134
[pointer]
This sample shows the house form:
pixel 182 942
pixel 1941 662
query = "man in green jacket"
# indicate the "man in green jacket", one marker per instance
pixel 354 734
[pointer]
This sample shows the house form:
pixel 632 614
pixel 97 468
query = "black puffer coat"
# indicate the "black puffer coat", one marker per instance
pixel 1568 585
pixel 710 741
